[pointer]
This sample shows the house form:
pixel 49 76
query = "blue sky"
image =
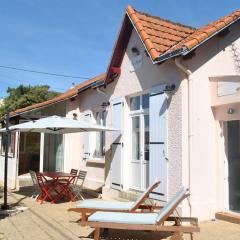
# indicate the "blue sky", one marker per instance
pixel 76 37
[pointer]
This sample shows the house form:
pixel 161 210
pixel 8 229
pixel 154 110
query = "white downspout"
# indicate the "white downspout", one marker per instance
pixel 189 107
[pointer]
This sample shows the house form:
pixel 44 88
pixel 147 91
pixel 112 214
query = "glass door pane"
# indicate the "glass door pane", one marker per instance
pixel 136 138
pixel 233 129
pixel 145 152
pixel 59 152
pixel 53 152
pixel 146 137
pixel 135 160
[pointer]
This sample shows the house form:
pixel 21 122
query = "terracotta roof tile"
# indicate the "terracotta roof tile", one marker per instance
pixel 62 97
pixel 162 36
pixel 203 33
pixel 158 34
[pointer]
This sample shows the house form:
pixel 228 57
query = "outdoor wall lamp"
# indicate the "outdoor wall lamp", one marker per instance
pixel 231 111
pixel 135 51
pixel 169 88
pixel 105 104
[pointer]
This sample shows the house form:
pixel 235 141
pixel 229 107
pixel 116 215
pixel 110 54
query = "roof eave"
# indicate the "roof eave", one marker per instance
pixel 40 107
pixel 133 25
pixel 213 35
pixel 97 84
pixel 170 55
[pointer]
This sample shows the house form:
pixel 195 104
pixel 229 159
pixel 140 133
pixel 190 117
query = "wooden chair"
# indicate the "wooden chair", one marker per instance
pixel 88 207
pixel 76 188
pixel 163 221
pixel 36 187
pixel 74 171
pixel 70 179
pixel 45 187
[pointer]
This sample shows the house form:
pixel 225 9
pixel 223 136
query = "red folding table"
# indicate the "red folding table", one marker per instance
pixel 61 182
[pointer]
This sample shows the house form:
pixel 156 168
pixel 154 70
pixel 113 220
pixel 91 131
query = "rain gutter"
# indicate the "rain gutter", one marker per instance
pixel 93 85
pixel 184 50
pixel 37 108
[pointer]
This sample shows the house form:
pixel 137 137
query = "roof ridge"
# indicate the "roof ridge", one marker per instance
pixel 212 24
pixel 219 19
pixel 205 29
pixel 166 20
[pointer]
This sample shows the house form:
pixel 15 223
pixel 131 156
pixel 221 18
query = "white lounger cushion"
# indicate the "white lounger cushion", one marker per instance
pixel 120 217
pixel 108 205
pixel 139 218
pixel 171 204
pixel 114 205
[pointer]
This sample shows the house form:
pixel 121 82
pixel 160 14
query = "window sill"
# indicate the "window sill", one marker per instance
pixel 96 160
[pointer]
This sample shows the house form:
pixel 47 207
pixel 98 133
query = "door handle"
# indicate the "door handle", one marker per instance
pixel 164 155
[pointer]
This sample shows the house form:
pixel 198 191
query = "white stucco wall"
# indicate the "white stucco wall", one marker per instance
pixel 144 79
pixel 12 166
pixel 131 83
pixel 214 58
pixel 74 144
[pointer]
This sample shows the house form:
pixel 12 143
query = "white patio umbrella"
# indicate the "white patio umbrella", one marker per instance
pixel 58 125
pixel 53 124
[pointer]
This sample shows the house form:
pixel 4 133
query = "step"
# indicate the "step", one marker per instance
pixel 127 195
pixel 228 216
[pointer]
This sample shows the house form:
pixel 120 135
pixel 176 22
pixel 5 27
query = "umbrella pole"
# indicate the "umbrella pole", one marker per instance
pixel 5 205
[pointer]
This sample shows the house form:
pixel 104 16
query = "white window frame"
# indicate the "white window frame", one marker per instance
pixel 11 146
pixel 93 137
pixel 141 113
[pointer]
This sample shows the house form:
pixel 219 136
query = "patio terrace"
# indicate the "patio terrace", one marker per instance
pixel 52 221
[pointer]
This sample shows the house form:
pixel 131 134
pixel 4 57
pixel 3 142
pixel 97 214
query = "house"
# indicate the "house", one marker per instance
pixel 35 151
pixel 173 90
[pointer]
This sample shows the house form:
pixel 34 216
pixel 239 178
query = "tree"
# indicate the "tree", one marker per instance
pixel 23 96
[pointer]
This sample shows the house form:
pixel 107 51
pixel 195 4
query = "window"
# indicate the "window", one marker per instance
pixel 99 152
pixel 11 144
pixel 145 101
pixel 139 106
pixel 135 103
pixel 139 102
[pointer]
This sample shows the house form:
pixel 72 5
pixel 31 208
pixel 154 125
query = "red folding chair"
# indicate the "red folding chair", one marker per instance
pixel 65 185
pixel 46 188
pixel 70 179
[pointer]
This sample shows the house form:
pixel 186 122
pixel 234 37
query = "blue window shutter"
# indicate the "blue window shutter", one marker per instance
pixel 116 148
pixel 86 140
pixel 158 141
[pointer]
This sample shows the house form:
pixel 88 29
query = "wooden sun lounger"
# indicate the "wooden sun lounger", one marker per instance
pixel 161 221
pixel 88 207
